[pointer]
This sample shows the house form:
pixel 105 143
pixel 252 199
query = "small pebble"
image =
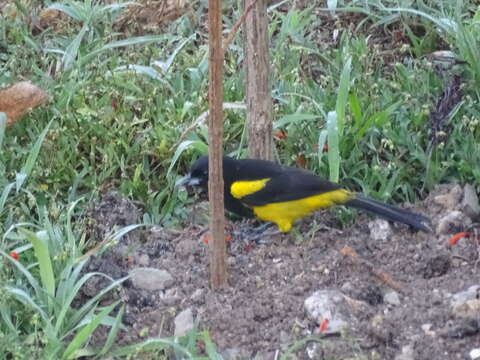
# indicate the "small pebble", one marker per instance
pixel 392 298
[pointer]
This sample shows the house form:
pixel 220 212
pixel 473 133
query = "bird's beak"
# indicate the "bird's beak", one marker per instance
pixel 187 180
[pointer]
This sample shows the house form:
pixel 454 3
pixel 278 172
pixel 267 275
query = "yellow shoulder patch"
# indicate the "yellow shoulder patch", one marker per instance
pixel 240 189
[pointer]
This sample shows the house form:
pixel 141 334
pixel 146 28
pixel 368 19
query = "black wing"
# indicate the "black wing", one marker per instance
pixel 290 184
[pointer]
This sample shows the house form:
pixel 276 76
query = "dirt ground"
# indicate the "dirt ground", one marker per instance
pixel 404 282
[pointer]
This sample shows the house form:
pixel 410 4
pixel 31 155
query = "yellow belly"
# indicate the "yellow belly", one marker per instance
pixel 284 214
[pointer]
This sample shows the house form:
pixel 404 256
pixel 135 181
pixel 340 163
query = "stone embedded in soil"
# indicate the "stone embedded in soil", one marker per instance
pixel 453 222
pixel 406 354
pixel 151 278
pixel 459 299
pixel 427 329
pixel 335 307
pixel 451 199
pixel 461 328
pixel 380 230
pixel 198 296
pixel 466 303
pixel 184 322
pixel 392 298
pixel 470 204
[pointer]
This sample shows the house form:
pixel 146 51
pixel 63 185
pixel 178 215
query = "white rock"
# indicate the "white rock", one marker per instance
pixel 454 221
pixel 407 353
pixel 427 329
pixel 151 278
pixel 335 307
pixel 475 354
pixel 461 297
pixel 466 303
pixel 380 229
pixel 184 322
pixel 392 298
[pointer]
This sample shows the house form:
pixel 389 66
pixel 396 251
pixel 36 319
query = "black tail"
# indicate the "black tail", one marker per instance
pixel 392 213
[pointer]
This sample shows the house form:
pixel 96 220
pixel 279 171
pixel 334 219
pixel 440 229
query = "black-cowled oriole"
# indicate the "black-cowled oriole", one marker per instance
pixel 282 195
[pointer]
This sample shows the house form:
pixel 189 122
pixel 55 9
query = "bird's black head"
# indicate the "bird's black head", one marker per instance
pixel 198 175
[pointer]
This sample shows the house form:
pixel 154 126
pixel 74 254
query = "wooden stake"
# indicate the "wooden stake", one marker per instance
pixel 218 267
pixel 258 88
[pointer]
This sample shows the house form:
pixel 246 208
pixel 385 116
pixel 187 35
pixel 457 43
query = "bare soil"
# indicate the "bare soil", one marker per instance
pixel 261 313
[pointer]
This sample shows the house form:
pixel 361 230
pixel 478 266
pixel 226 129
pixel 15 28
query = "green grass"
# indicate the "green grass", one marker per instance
pixel 119 105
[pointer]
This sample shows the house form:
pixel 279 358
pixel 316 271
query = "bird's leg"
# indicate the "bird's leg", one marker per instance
pixel 256 234
pixel 262 232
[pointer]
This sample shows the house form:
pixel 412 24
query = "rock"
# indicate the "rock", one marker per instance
pixel 462 328
pixel 392 298
pixel 436 266
pixel 380 229
pixel 468 309
pixel 335 307
pixel 474 354
pixel 170 297
pixel 470 205
pixel 427 329
pixel 186 248
pixel 143 260
pixel 183 322
pixel 235 354
pixel 466 303
pixel 151 278
pixel 406 354
pixel 453 222
pixel 198 296
pixel 450 200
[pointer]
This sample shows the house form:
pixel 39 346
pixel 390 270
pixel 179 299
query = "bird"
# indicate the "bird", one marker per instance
pixel 282 194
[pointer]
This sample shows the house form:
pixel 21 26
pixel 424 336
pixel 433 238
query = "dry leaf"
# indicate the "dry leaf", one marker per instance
pixel 18 99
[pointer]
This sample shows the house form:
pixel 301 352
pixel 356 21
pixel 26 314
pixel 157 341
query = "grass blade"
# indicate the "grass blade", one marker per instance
pixel 31 280
pixel 112 334
pixel 197 144
pixel 43 256
pixel 342 97
pixel 32 158
pixel 3 126
pixel 71 52
pixel 333 146
pixel 5 193
pixel 83 335
pixel 322 139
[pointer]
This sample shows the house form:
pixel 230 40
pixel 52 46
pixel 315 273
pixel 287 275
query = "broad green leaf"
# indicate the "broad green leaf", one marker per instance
pixel 294 118
pixel 69 10
pixel 356 110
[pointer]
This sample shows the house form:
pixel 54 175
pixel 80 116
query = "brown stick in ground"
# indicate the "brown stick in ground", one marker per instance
pixel 380 274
